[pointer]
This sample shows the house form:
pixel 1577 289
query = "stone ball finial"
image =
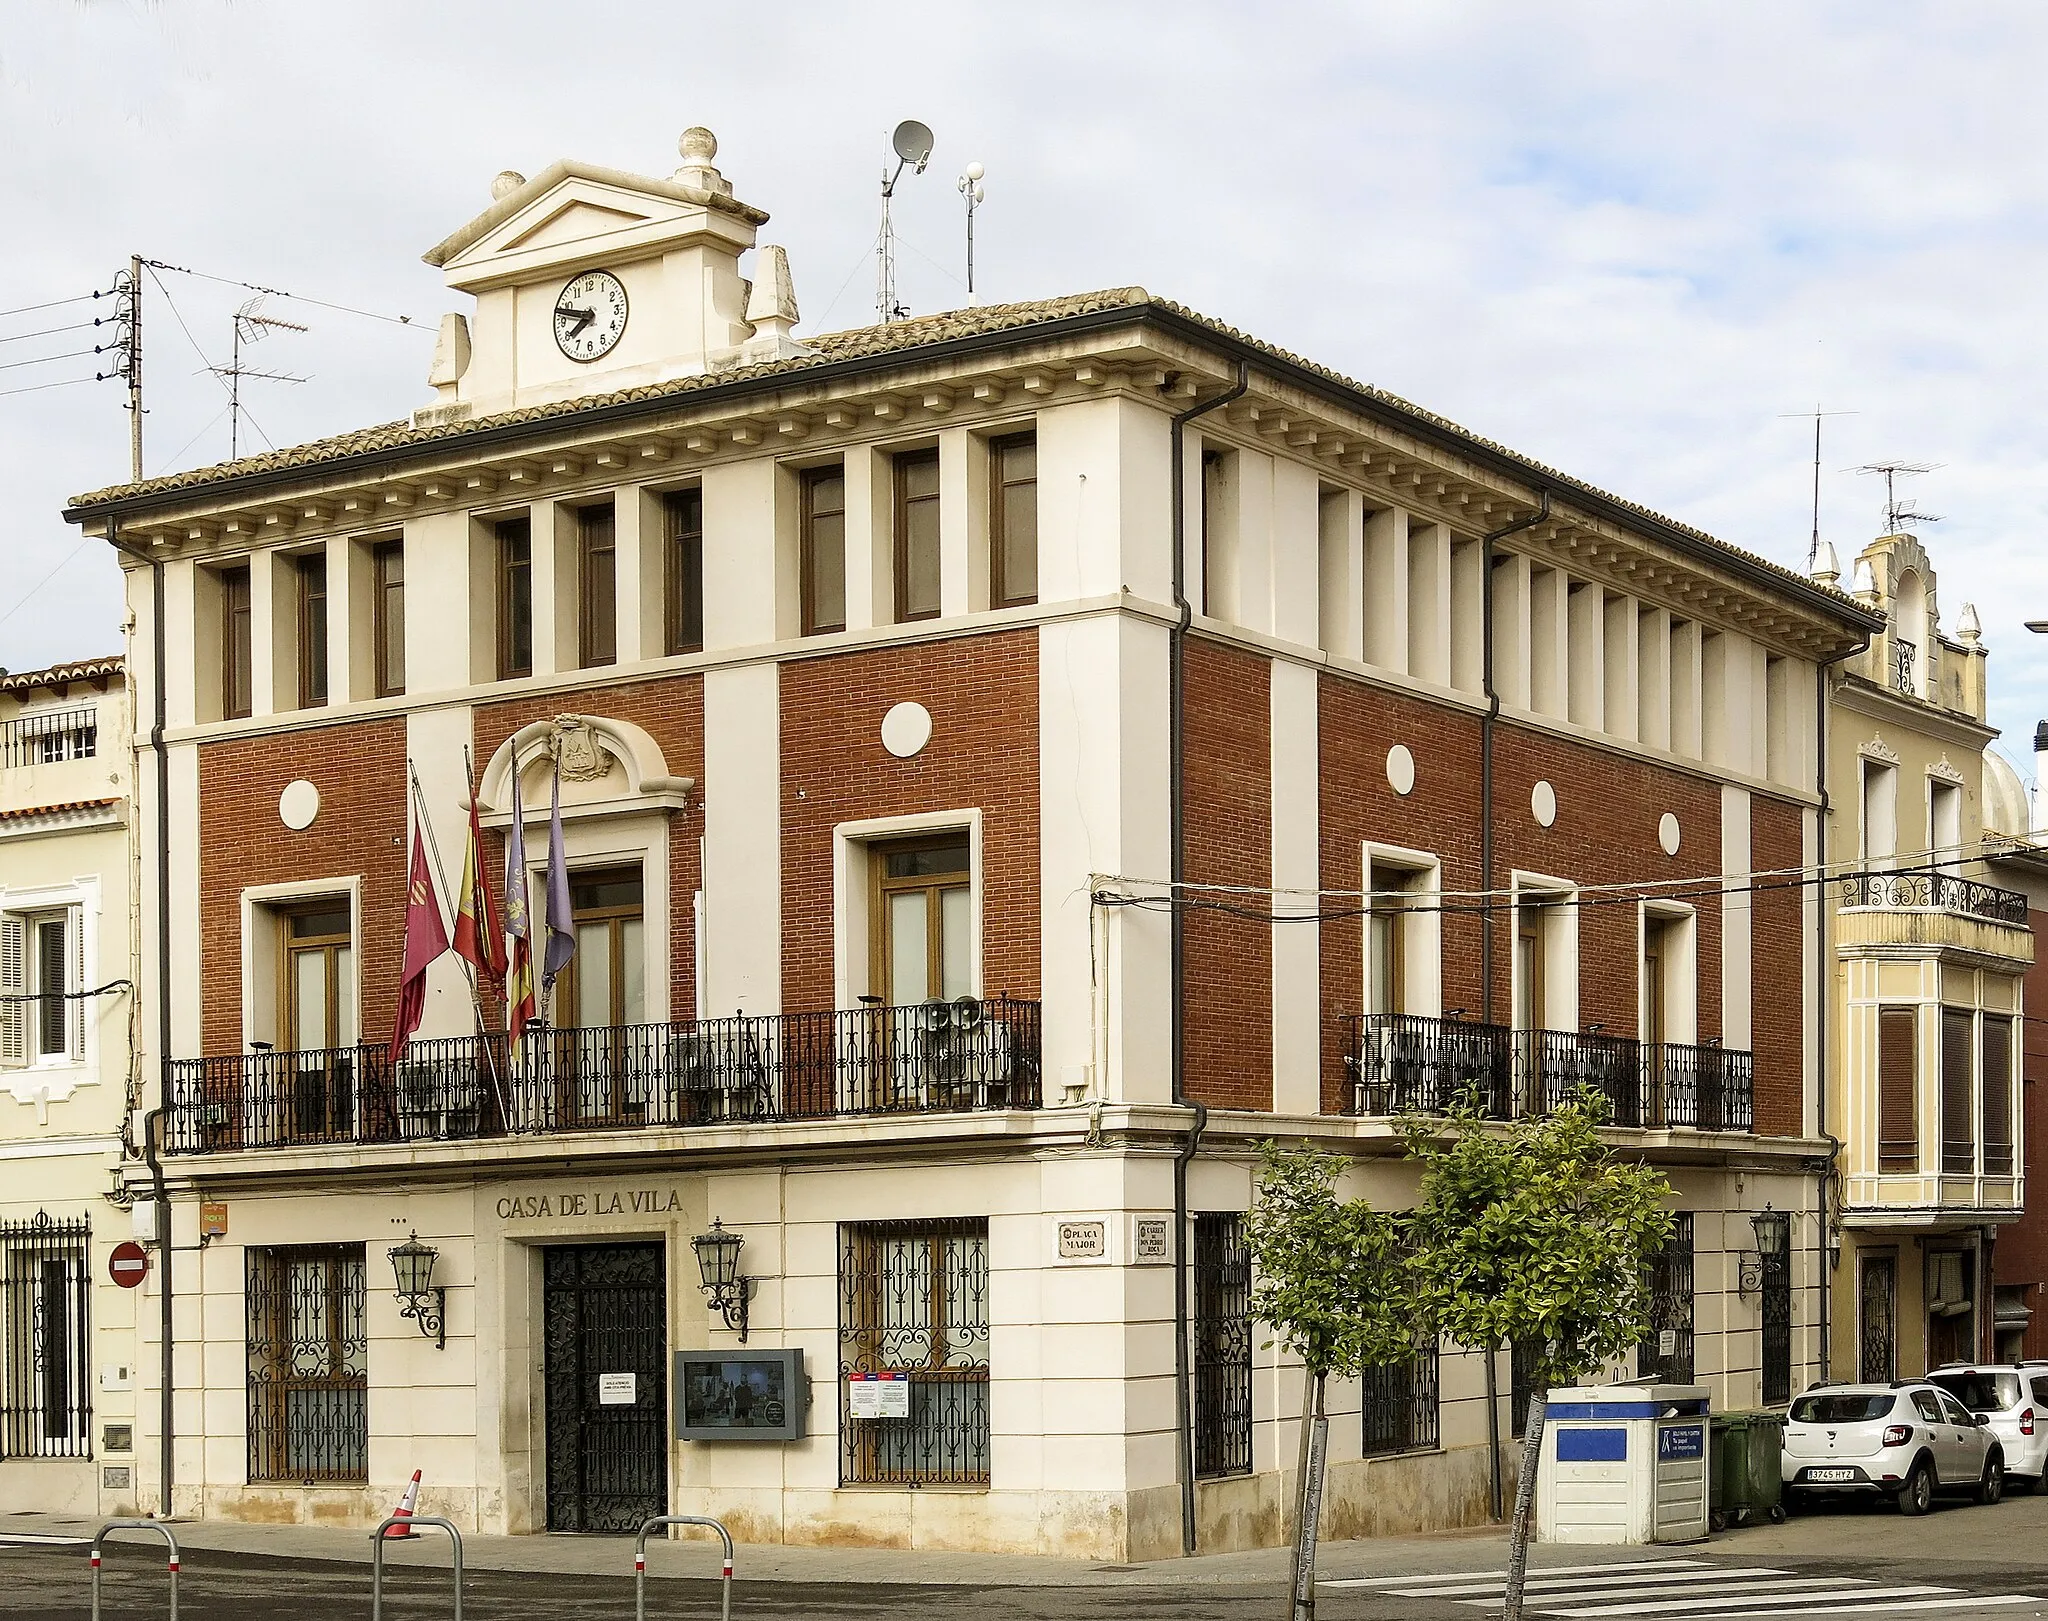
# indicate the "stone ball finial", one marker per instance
pixel 698 146
pixel 507 182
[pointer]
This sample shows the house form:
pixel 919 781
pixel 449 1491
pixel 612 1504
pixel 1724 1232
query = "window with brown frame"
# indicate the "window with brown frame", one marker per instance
pixel 917 536
pixel 683 581
pixel 824 550
pixel 1898 1072
pixel 1958 1114
pixel 605 982
pixel 387 616
pixel 515 597
pixel 237 668
pixel 1013 520
pixel 1996 1044
pixel 312 587
pixel 597 586
pixel 1387 944
pixel 319 999
pixel 923 920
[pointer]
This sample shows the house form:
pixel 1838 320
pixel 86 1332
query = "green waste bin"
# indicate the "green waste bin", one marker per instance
pixel 1747 1481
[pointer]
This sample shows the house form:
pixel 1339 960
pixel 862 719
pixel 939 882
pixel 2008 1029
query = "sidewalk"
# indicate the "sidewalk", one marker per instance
pixel 1265 1568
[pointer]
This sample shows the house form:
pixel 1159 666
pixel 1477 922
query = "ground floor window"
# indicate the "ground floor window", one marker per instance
pixel 1399 1404
pixel 1666 1354
pixel 914 1332
pixel 45 1337
pixel 309 1366
pixel 1774 1251
pixel 1223 1345
pixel 1877 1341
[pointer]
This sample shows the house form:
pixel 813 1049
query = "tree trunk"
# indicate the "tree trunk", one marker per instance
pixel 1525 1497
pixel 1308 1511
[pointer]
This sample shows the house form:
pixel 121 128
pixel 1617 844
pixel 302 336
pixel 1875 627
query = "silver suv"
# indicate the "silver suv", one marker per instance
pixel 1905 1441
pixel 2015 1402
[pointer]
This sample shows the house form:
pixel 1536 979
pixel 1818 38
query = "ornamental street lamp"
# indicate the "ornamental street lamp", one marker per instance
pixel 718 1263
pixel 412 1266
pixel 1773 1229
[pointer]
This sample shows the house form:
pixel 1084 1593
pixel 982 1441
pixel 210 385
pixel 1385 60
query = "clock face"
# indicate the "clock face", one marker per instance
pixel 590 315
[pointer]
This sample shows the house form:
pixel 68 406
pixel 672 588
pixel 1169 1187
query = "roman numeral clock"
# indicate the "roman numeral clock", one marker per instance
pixel 590 315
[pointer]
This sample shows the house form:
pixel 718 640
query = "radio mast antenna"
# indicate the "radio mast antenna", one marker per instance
pixel 251 325
pixel 1813 545
pixel 1897 512
pixel 913 144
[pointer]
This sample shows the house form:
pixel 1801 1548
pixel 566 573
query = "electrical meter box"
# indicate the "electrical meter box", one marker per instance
pixel 1624 1463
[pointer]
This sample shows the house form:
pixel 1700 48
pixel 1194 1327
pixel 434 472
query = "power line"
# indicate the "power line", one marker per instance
pixel 69 558
pixel 299 298
pixel 48 331
pixel 44 360
pixel 55 303
pixel 204 359
pixel 37 388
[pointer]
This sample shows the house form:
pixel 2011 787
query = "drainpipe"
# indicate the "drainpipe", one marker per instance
pixel 1486 722
pixel 159 1116
pixel 1176 748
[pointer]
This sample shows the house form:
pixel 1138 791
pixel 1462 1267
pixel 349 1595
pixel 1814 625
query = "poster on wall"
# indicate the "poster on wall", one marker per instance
pixel 741 1395
pixel 878 1395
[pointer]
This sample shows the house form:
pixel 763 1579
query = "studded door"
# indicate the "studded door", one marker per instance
pixel 605 1328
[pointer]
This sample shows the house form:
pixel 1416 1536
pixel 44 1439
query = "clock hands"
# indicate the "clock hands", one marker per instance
pixel 583 319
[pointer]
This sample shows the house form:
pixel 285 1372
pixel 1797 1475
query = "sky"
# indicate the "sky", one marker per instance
pixel 1631 241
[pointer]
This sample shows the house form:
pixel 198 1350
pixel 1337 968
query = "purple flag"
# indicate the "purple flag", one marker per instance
pixel 519 1005
pixel 561 930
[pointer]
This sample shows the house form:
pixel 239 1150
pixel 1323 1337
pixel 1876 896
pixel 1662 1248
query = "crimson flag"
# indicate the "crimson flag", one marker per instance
pixel 426 939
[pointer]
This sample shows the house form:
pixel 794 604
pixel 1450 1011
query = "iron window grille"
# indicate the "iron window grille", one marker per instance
pixel 1400 1404
pixel 48 736
pixel 309 1372
pixel 46 1385
pixel 1904 656
pixel 1223 1346
pixel 1775 1311
pixel 913 1300
pixel 1671 1309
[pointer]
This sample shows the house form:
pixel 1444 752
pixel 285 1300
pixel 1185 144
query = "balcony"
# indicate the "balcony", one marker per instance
pixel 1401 1063
pixel 935 1057
pixel 1927 909
pixel 48 737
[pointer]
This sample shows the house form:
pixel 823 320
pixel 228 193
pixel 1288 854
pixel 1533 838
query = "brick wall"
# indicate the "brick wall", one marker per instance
pixel 360 772
pixel 1228 1044
pixel 1778 985
pixel 670 710
pixel 982 692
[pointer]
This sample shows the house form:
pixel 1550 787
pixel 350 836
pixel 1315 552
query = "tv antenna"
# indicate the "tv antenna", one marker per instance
pixel 1897 512
pixel 1813 546
pixel 970 188
pixel 251 326
pixel 913 144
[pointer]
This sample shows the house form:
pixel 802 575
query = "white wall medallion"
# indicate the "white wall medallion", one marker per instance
pixel 906 729
pixel 1400 769
pixel 1543 804
pixel 298 805
pixel 1668 833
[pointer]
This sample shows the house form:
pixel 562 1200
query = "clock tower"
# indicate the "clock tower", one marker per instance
pixel 588 280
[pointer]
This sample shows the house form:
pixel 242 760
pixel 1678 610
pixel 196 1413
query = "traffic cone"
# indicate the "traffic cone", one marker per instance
pixel 406 1505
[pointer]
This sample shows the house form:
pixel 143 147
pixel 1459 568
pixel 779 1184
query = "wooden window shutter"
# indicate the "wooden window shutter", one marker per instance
pixel 1997 1095
pixel 75 981
pixel 1898 1140
pixel 1958 1123
pixel 13 983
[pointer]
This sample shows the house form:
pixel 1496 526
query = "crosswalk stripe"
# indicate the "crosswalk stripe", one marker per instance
pixel 1839 1595
pixel 1970 1601
pixel 1501 1575
pixel 31 1539
pixel 1766 1592
pixel 1535 1583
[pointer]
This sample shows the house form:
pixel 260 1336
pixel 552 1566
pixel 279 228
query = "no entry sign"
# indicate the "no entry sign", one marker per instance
pixel 128 1265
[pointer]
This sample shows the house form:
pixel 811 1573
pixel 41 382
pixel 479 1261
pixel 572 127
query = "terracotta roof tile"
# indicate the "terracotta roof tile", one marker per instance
pixel 69 807
pixel 57 674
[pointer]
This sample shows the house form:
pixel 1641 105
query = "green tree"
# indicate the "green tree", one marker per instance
pixel 1333 1279
pixel 1535 1233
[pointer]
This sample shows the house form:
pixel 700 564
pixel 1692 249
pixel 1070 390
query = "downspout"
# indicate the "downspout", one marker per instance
pixel 1486 721
pixel 159 1117
pixel 1176 749
pixel 1822 1000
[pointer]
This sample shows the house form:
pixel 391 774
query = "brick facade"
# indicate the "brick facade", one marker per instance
pixel 1778 984
pixel 1228 1040
pixel 982 692
pixel 360 832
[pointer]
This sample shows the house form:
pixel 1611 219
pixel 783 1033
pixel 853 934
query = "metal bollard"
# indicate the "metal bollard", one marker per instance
pixel 377 1560
pixel 640 1562
pixel 161 1530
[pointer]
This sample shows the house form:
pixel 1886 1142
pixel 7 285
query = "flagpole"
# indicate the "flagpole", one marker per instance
pixel 420 817
pixel 476 1002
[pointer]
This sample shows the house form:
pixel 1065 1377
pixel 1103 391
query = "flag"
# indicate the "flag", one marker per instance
pixel 518 925
pixel 561 929
pixel 426 939
pixel 479 933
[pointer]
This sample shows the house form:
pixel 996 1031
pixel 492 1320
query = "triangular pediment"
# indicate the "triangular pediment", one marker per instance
pixel 575 221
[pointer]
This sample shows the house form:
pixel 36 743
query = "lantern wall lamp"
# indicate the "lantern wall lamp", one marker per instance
pixel 718 1263
pixel 412 1266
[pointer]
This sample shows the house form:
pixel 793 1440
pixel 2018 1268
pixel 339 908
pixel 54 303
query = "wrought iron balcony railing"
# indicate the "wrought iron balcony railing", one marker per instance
pixel 928 1058
pixel 42 739
pixel 1401 1063
pixel 1932 889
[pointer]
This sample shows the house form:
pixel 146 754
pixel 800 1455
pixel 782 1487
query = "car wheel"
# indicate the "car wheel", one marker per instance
pixel 1992 1487
pixel 1917 1495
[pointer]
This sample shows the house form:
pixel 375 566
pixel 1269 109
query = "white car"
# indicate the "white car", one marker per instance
pixel 2015 1401
pixel 1905 1441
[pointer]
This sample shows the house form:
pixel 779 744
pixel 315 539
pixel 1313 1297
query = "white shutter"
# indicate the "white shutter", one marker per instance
pixel 13 983
pixel 75 981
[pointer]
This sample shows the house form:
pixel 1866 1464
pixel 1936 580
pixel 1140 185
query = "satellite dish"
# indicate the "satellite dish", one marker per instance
pixel 913 142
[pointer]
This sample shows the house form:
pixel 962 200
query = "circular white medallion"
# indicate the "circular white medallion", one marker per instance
pixel 1668 833
pixel 1400 769
pixel 1543 804
pixel 906 729
pixel 298 805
